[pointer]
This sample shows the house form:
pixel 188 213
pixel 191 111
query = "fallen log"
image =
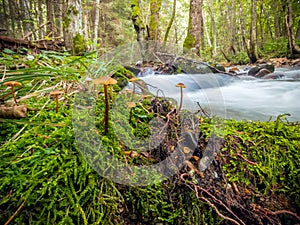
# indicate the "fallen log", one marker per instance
pixel 13 112
pixel 16 44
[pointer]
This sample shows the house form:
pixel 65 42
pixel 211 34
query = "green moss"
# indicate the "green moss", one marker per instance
pixel 79 44
pixel 189 41
pixel 136 15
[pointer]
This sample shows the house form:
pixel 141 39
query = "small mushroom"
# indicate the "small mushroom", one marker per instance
pixel 56 93
pixel 181 85
pixel 12 84
pixel 133 81
pixel 89 80
pixel 111 81
pixel 130 105
pixel 105 81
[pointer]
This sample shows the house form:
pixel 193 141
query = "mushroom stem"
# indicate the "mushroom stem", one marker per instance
pixel 106 109
pixel 13 94
pixel 181 99
pixel 56 100
pixel 110 91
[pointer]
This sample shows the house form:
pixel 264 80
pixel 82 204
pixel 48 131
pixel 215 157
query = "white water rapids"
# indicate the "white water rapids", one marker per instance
pixel 243 98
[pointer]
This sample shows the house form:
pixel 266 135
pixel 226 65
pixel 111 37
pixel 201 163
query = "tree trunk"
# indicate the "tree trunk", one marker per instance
pixel 137 20
pixel 41 19
pixel 155 6
pixel 195 27
pixel 4 16
pixel 253 34
pixel 12 13
pixel 58 17
pixel 96 26
pixel 298 31
pixel 171 21
pixel 293 47
pixel 213 27
pixel 50 20
pixel 73 37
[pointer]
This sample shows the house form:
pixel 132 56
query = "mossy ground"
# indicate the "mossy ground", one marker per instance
pixel 46 180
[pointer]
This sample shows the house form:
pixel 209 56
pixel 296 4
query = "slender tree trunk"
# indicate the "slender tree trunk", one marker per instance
pixel 242 28
pixel 293 47
pixel 50 18
pixel 12 14
pixel 86 20
pixel 58 17
pixel 213 27
pixel 96 27
pixel 253 33
pixel 41 19
pixel 171 21
pixel 155 6
pixel 298 31
pixel 195 27
pixel 4 16
pixel 137 20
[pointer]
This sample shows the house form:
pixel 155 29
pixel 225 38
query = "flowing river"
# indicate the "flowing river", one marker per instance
pixel 240 98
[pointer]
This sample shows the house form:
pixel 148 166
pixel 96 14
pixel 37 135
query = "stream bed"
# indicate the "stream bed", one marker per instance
pixel 240 98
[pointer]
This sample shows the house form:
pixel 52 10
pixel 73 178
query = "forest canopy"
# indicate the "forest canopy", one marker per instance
pixel 232 30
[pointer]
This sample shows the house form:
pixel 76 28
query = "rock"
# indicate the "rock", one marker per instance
pixel 253 71
pixel 273 76
pixel 192 67
pixel 262 72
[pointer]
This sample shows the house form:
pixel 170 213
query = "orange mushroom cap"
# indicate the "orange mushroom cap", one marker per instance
pixel 180 85
pixel 12 83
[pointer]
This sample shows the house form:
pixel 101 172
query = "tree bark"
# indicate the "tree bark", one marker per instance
pixel 253 33
pixel 293 47
pixel 195 27
pixel 96 25
pixel 171 21
pixel 58 17
pixel 137 20
pixel 50 20
pixel 155 6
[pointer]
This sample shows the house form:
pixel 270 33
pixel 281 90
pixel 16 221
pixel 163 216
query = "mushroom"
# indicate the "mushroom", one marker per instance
pixel 181 85
pixel 111 81
pixel 105 81
pixel 56 93
pixel 89 80
pixel 12 84
pixel 130 105
pixel 133 81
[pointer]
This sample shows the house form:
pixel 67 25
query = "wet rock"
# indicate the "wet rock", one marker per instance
pixel 261 73
pixel 273 76
pixel 192 67
pixel 253 71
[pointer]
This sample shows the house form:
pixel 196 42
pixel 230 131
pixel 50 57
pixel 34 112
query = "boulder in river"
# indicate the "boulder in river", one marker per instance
pixel 265 67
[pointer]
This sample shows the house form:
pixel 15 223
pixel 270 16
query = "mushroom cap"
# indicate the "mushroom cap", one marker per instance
pixel 101 80
pixel 88 79
pixel 133 79
pixel 180 85
pixel 12 83
pixel 131 104
pixel 56 92
pixel 112 81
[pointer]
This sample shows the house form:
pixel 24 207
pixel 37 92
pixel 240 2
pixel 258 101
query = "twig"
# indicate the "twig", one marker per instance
pixel 15 213
pixel 246 160
pixel 217 211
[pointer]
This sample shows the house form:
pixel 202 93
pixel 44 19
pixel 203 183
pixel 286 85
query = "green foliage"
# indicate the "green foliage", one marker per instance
pixel 79 44
pixel 274 147
pixel 240 58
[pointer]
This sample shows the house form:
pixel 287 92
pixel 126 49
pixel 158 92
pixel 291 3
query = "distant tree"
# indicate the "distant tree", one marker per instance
pixel 253 33
pixel 155 6
pixel 195 35
pixel 293 47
